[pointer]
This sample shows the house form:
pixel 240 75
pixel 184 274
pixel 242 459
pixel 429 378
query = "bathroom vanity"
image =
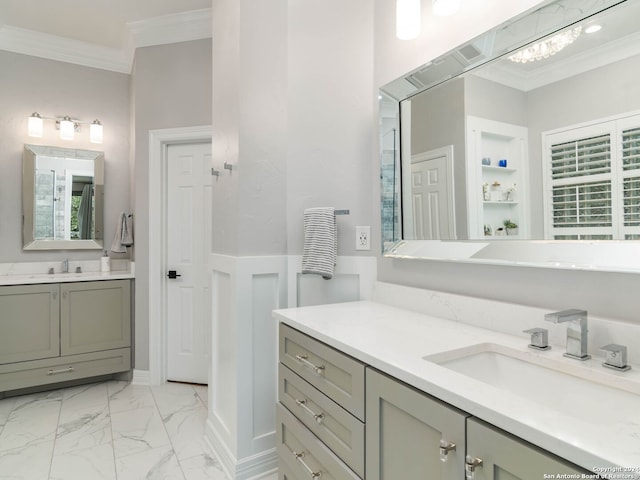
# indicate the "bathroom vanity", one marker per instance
pixel 369 367
pixel 55 328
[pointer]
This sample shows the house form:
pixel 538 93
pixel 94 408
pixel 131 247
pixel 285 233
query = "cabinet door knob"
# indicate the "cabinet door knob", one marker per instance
pixel 445 448
pixel 470 465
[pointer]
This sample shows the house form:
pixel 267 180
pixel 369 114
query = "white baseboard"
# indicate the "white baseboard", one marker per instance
pixel 256 467
pixel 141 377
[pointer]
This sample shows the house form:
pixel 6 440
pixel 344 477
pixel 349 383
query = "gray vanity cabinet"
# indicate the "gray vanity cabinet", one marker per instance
pixel 29 322
pixel 320 432
pixel 505 457
pixel 50 333
pixel 407 433
pixel 404 431
pixel 94 316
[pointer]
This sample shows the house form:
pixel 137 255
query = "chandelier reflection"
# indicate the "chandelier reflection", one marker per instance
pixel 547 47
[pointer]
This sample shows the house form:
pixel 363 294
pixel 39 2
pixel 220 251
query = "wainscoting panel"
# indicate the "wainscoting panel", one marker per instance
pixel 353 279
pixel 314 290
pixel 243 387
pixel 245 291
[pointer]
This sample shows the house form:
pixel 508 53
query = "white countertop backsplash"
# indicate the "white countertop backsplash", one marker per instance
pixel 404 324
pixel 23 273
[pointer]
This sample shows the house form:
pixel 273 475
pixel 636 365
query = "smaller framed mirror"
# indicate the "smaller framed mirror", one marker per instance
pixel 62 198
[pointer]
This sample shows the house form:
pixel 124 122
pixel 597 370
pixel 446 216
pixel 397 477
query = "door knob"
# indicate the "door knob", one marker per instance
pixel 173 274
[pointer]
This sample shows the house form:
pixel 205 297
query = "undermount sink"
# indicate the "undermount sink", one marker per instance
pixel 583 391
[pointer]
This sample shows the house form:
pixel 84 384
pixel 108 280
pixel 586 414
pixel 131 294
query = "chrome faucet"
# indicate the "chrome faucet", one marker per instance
pixel 576 331
pixel 65 265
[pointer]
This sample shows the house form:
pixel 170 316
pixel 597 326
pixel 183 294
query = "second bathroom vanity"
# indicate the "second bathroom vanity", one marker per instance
pixel 55 328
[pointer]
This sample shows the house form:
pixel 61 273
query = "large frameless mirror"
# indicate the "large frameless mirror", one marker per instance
pixel 526 136
pixel 62 198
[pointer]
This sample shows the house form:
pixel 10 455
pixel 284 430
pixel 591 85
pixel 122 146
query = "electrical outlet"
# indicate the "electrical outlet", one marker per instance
pixel 363 238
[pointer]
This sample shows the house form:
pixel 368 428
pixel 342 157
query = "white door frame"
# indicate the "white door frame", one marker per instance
pixel 159 140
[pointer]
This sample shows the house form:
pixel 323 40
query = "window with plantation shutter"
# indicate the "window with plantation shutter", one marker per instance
pixel 581 157
pixel 592 181
pixel 631 181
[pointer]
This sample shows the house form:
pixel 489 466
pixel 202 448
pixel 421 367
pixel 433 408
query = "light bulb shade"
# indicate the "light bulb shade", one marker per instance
pixel 408 18
pixel 444 8
pixel 67 129
pixel 95 132
pixel 35 125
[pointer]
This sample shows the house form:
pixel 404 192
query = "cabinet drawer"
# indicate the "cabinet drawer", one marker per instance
pixel 335 374
pixel 284 473
pixel 303 454
pixel 54 370
pixel 340 431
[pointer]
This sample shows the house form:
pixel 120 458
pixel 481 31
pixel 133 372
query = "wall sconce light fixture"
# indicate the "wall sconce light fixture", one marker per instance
pixel 95 132
pixel 35 127
pixel 408 19
pixel 66 126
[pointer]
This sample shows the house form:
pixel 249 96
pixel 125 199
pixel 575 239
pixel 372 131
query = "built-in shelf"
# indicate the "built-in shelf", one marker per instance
pixel 498 169
pixel 496 140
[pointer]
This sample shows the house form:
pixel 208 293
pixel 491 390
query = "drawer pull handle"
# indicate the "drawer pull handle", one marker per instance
pixel 299 456
pixel 318 417
pixel 445 448
pixel 58 372
pixel 304 359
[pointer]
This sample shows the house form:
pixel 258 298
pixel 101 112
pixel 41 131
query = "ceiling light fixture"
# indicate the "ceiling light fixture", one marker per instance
pixel 444 8
pixel 408 19
pixel 67 126
pixel 546 48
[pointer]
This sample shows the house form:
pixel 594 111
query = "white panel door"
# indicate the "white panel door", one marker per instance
pixel 188 246
pixel 431 197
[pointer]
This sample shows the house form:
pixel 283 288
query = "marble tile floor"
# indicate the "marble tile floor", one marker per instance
pixel 107 431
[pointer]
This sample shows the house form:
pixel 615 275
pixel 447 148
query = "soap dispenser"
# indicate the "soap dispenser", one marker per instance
pixel 105 263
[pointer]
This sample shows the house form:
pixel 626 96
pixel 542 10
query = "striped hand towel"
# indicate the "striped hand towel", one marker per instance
pixel 320 241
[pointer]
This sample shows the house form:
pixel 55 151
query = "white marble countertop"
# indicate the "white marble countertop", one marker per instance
pixel 36 272
pixel 394 341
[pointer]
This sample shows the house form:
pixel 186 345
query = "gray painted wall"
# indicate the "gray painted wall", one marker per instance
pixel 292 110
pixel 331 104
pixel 250 127
pixel 55 89
pixel 171 87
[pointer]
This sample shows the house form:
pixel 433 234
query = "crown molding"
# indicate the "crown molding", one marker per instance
pixel 180 27
pixel 61 49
